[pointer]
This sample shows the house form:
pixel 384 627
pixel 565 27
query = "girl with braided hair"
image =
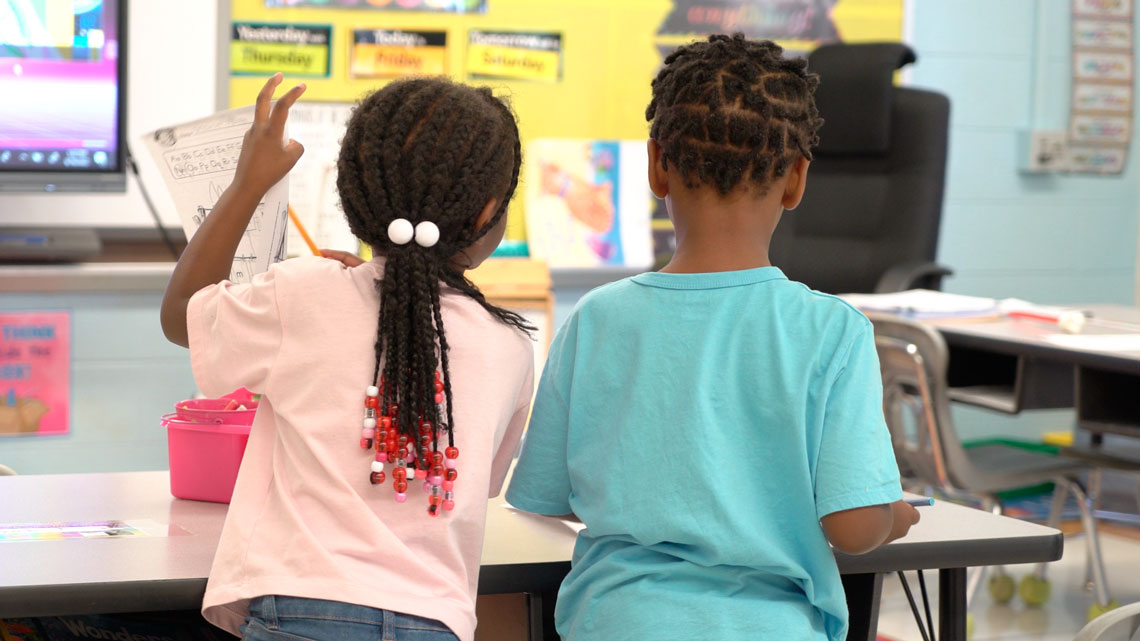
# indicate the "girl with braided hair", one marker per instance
pixel 353 516
pixel 714 425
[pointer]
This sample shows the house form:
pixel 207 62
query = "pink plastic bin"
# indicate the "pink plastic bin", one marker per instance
pixel 205 444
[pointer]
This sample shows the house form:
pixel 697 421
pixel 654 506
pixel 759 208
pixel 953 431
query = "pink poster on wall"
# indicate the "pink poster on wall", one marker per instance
pixel 35 373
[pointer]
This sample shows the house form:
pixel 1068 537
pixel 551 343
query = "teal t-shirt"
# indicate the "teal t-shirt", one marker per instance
pixel 700 425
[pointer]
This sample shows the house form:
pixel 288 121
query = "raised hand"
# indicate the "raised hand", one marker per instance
pixel 266 157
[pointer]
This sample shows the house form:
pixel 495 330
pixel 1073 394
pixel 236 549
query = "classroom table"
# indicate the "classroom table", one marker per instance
pixel 1010 365
pixel 167 569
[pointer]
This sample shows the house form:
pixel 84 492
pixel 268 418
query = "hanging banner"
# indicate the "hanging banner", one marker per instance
pixel 295 50
pixel 514 55
pixel 392 53
pixel 1100 121
pixel 35 373
pixel 436 6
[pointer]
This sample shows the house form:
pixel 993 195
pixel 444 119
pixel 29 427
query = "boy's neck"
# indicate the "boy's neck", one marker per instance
pixel 721 233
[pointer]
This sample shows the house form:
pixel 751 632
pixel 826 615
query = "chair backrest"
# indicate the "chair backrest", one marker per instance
pixel 874 190
pixel 913 359
pixel 6 471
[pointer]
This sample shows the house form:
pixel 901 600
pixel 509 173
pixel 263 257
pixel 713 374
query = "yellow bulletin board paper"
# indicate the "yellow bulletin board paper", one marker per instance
pixel 263 49
pixel 610 52
pixel 514 55
pixel 392 53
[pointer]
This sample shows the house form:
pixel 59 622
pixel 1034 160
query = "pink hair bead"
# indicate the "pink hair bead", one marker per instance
pixel 438 398
pixel 427 485
pixel 448 505
pixel 382 457
pixel 448 486
pixel 401 497
pixel 421 473
pixel 449 463
pixel 368 433
pixel 435 480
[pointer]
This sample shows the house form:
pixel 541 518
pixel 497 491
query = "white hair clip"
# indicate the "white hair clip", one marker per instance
pixel 400 231
pixel 427 234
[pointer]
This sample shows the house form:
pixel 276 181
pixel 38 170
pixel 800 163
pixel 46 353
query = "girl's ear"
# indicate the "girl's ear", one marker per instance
pixel 487 213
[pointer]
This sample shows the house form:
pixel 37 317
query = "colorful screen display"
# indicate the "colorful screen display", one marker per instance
pixel 59 79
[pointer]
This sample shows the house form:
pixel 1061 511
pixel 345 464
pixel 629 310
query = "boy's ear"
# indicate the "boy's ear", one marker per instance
pixel 658 176
pixel 487 213
pixel 797 181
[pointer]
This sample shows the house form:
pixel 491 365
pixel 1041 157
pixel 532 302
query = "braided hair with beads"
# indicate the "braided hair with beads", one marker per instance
pixel 423 150
pixel 729 110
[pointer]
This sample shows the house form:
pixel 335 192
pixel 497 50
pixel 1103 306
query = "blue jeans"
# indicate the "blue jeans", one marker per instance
pixel 286 618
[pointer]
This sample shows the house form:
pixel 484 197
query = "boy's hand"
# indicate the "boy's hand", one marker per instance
pixel 265 156
pixel 904 515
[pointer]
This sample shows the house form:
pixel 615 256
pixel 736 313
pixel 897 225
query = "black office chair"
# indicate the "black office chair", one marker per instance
pixel 870 216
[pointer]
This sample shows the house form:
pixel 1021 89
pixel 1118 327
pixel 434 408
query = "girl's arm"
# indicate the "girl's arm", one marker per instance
pixel 265 159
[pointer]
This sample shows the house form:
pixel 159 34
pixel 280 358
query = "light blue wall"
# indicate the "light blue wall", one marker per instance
pixel 124 376
pixel 1048 238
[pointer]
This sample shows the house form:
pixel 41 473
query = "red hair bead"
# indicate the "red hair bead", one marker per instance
pixel 371 402
pixel 401 487
pixel 365 444
pixel 451 475
pixel 438 385
pixel 434 500
pixel 385 422
pixel 452 452
pixel 437 457
pixel 376 478
pixel 437 470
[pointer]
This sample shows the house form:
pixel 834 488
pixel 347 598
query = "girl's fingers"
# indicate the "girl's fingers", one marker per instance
pixel 280 111
pixel 264 97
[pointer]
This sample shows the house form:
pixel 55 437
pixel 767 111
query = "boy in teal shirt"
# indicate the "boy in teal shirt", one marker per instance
pixel 715 425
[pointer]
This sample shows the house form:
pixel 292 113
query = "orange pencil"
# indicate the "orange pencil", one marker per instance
pixel 304 234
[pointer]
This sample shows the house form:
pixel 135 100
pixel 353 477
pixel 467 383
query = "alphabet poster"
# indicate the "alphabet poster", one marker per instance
pixel 35 373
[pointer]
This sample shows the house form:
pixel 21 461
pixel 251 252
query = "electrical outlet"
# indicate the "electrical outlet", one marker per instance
pixel 1043 151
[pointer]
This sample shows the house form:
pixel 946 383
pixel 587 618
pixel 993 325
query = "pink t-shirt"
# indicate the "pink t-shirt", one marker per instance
pixel 304 520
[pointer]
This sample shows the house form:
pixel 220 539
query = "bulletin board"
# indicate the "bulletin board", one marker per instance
pixel 587 77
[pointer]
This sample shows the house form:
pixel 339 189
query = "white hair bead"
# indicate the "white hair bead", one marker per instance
pixel 400 231
pixel 427 234
pixel 372 391
pixel 377 466
pixel 369 423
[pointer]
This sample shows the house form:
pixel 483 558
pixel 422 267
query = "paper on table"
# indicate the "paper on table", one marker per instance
pixel 1096 342
pixel 312 183
pixel 197 161
pixel 924 303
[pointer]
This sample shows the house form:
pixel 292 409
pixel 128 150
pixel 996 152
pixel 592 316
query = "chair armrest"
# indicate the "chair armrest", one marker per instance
pixel 906 276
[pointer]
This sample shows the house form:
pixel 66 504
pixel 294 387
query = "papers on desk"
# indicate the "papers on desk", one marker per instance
pixel 1096 342
pixel 925 304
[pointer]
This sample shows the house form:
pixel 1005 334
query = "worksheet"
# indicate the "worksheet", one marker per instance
pixel 197 161
pixel 319 126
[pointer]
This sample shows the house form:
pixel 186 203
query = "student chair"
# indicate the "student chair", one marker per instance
pixel 1122 623
pixel 6 471
pixel 913 358
pixel 869 219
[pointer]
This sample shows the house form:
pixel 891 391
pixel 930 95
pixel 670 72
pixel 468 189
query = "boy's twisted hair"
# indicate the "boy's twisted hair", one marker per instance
pixel 731 109
pixel 425 149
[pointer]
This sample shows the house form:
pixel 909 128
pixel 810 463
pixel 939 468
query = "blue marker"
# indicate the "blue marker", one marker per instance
pixel 925 501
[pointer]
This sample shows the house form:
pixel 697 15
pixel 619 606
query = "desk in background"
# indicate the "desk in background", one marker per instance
pixel 522 552
pixel 1009 366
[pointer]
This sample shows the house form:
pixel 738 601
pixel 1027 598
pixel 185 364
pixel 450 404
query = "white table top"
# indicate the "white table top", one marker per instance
pixel 522 552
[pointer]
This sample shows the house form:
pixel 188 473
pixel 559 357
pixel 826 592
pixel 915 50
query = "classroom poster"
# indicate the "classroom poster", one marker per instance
pixel 587 203
pixel 35 373
pixel 392 53
pixel 265 49
pixel 1100 121
pixel 514 55
pixel 438 6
